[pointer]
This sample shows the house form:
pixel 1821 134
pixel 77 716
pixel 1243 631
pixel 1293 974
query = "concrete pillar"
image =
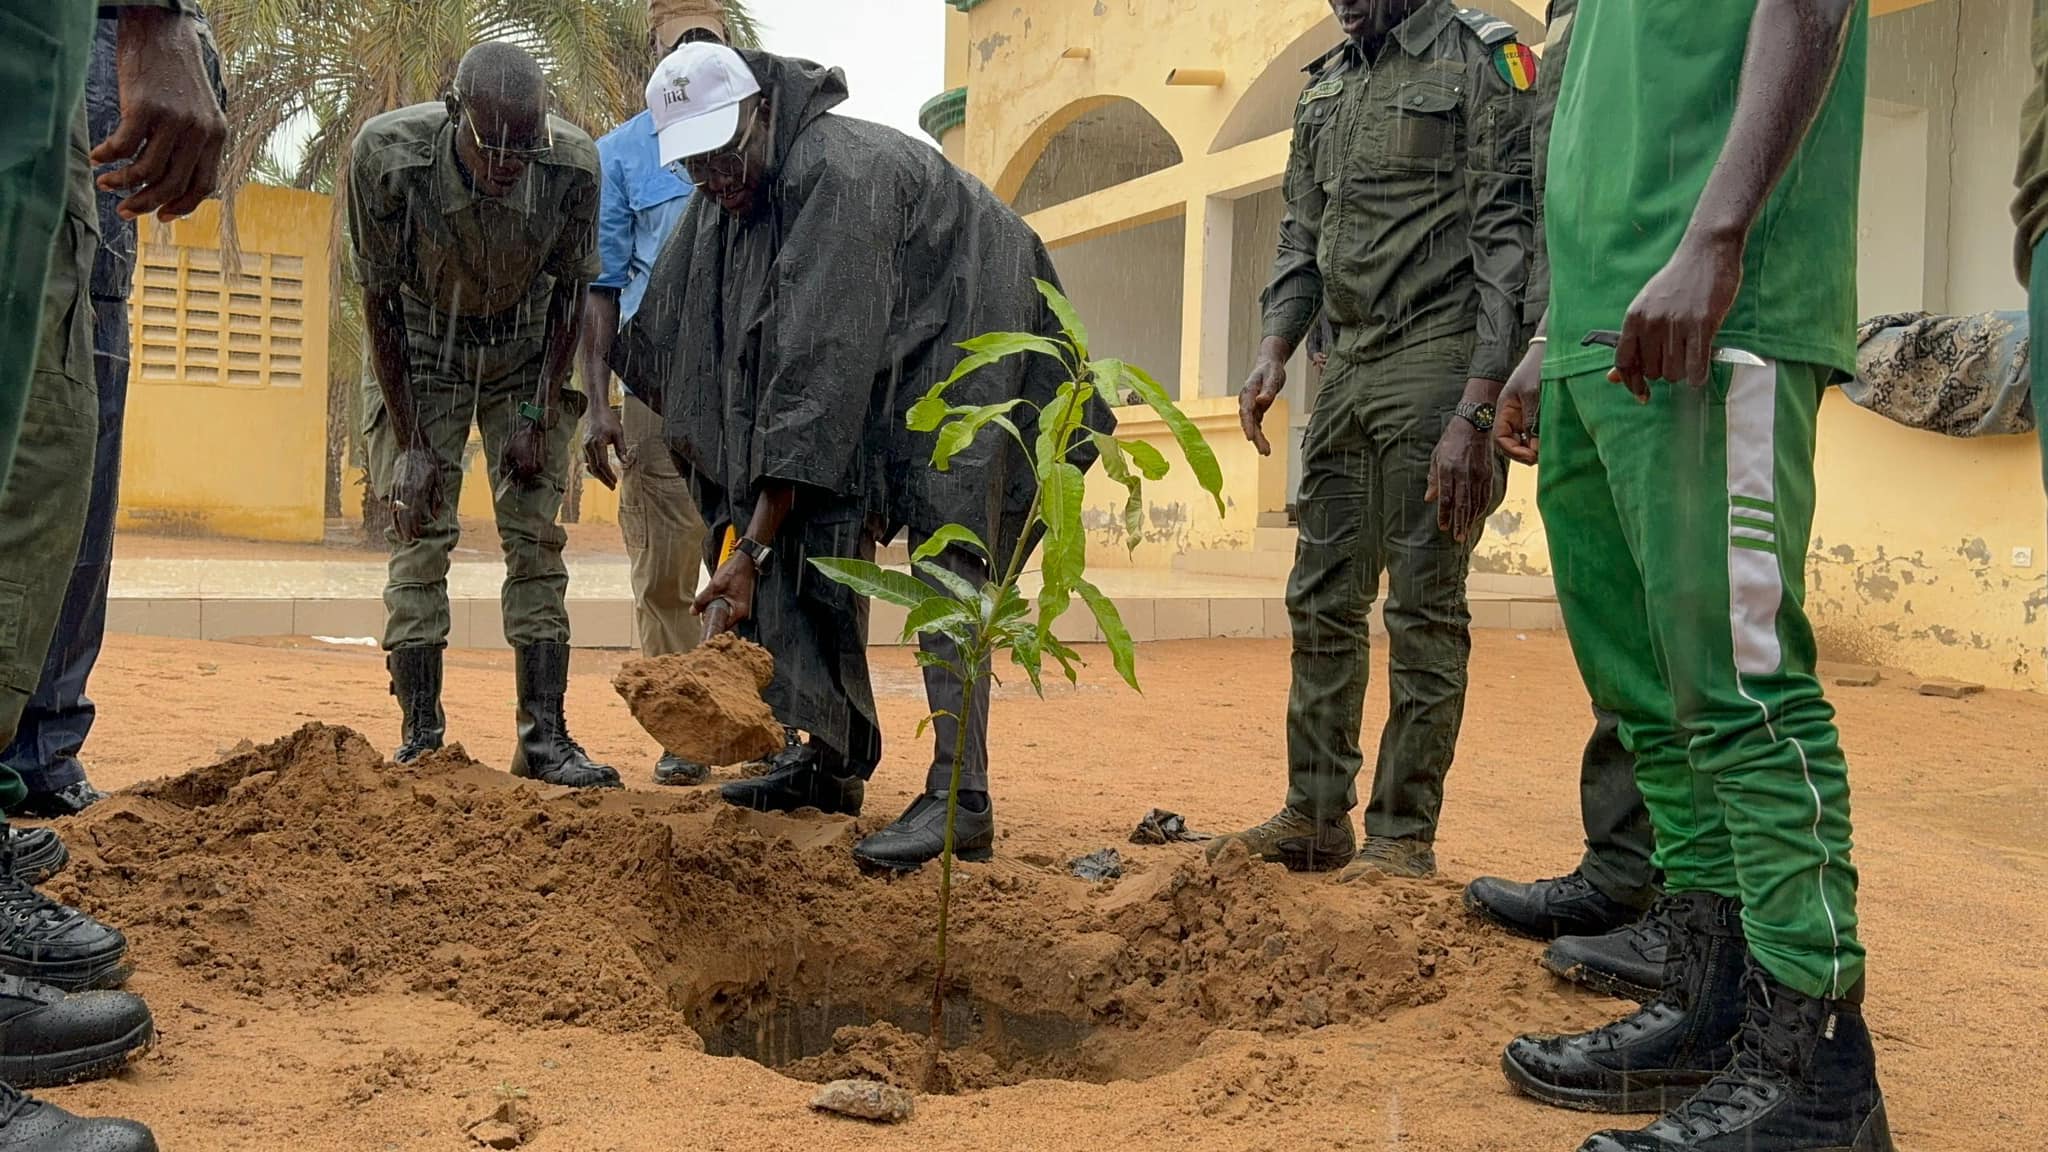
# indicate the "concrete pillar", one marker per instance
pixel 1205 299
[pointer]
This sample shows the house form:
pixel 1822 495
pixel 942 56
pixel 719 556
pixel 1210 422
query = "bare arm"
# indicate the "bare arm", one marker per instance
pixel 600 329
pixel 564 327
pixel 1795 47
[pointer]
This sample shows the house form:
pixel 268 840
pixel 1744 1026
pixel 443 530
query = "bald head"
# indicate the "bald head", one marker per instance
pixel 500 106
pixel 502 78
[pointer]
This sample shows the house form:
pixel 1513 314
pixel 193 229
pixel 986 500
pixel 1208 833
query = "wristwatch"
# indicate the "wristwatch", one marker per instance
pixel 1478 415
pixel 755 551
pixel 542 417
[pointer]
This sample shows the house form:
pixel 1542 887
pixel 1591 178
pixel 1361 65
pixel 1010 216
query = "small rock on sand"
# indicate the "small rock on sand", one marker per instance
pixel 705 705
pixel 495 1134
pixel 1949 689
pixel 865 1100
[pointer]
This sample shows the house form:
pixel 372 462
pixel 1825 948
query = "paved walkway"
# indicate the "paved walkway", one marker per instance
pixel 218 599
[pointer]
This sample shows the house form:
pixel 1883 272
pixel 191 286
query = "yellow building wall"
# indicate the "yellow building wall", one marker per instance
pixel 227 398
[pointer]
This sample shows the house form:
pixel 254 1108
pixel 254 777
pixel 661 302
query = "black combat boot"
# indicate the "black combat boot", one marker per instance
pixel 545 751
pixel 30 1125
pixel 680 773
pixel 48 1039
pixel 1628 962
pixel 69 800
pixel 416 682
pixel 38 853
pixel 1804 1079
pixel 800 776
pixel 1668 1049
pixel 1546 909
pixel 919 835
pixel 44 941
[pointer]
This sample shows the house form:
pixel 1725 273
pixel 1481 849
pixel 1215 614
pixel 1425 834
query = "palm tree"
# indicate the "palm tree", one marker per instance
pixel 304 76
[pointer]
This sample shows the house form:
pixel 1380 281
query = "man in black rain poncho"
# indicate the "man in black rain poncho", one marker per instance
pixel 816 288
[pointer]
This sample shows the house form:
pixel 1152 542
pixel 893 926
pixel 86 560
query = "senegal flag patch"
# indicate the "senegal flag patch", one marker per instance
pixel 1517 65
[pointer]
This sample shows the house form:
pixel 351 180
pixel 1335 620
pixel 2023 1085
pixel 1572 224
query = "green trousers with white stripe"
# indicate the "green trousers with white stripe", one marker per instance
pixel 1678 535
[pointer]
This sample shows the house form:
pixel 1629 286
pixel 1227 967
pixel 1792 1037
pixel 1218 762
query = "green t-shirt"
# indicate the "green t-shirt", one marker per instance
pixel 1644 112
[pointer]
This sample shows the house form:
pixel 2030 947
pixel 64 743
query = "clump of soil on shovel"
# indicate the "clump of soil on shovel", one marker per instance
pixel 705 705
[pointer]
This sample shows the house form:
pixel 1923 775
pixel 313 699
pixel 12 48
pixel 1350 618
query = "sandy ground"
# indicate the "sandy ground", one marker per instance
pixel 296 1014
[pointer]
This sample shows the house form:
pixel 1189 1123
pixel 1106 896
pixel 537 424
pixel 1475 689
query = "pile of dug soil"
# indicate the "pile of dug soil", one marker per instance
pixel 705 705
pixel 311 869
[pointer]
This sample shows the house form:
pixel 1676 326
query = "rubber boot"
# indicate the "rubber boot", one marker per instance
pixel 1546 909
pixel 1652 1060
pixel 545 751
pixel 31 1125
pixel 1804 1079
pixel 919 835
pixel 1627 962
pixel 416 682
pixel 48 1038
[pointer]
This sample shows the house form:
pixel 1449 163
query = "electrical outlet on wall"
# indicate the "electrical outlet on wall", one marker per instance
pixel 2023 557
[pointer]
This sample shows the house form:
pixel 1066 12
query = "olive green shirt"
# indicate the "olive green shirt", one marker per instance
pixel 2030 207
pixel 416 224
pixel 1409 210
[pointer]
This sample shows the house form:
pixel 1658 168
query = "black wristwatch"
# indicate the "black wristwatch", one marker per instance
pixel 1477 414
pixel 755 551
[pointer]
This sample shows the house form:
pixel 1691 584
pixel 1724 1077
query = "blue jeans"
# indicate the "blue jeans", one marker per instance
pixel 59 716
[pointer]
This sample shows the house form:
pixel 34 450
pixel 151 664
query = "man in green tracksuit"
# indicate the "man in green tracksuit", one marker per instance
pixel 1704 167
pixel 2030 212
pixel 474 222
pixel 1409 222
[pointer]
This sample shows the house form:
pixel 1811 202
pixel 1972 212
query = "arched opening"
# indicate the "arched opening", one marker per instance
pixel 1085 147
pixel 1267 106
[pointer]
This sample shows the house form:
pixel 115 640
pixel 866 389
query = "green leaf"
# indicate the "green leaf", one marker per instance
pixel 874 581
pixel 1208 473
pixel 927 414
pixel 1114 634
pixel 1070 660
pixel 1070 320
pixel 925 724
pixel 955 437
pixel 1066 544
pixel 1113 464
pixel 998 345
pixel 934 660
pixel 1151 464
pixel 1025 653
pixel 964 592
pixel 948 534
pixel 933 614
pixel 967 366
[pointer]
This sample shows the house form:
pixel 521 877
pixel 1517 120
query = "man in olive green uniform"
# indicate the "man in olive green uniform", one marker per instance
pixel 1410 221
pixel 474 224
pixel 171 135
pixel 1615 880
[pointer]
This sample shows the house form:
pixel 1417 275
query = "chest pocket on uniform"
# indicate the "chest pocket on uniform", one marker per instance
pixel 1319 135
pixel 1422 126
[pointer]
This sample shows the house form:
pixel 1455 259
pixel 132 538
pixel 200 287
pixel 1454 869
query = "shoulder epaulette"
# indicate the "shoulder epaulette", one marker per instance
pixel 1490 29
pixel 1321 64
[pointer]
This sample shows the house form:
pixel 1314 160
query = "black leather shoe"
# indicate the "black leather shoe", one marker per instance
pixel 69 800
pixel 679 773
pixel 919 835
pixel 1804 1079
pixel 31 1125
pixel 46 942
pixel 1628 962
pixel 1654 1059
pixel 1547 909
pixel 797 777
pixel 36 853
pixel 47 1039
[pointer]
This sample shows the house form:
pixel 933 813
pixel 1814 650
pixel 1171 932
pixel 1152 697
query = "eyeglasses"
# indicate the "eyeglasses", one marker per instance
pixel 728 165
pixel 501 155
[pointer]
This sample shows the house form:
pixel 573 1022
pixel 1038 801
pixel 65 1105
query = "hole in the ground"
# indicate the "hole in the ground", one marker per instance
pixel 987 1045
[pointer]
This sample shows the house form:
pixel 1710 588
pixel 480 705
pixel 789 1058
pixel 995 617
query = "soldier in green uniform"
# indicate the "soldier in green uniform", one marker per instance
pixel 474 225
pixel 1410 221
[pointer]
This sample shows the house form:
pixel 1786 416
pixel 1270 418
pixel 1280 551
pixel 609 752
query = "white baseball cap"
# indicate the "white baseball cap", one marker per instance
pixel 695 99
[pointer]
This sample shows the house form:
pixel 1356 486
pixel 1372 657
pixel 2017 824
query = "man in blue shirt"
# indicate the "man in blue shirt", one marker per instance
pixel 640 204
